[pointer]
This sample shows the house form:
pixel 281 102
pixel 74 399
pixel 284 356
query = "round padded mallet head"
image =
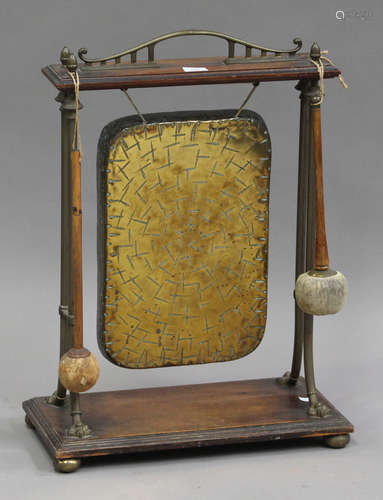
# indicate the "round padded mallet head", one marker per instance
pixel 321 292
pixel 78 370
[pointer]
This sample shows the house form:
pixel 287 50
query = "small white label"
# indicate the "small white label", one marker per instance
pixel 303 398
pixel 189 69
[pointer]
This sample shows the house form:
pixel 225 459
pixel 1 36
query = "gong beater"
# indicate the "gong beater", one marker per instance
pixel 321 290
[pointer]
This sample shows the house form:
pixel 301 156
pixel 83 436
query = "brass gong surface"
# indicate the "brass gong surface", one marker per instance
pixel 185 240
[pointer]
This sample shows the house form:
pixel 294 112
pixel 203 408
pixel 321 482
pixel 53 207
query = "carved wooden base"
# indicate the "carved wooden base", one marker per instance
pixel 183 417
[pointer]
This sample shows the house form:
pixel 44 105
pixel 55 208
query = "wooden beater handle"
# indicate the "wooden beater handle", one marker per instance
pixel 321 251
pixel 77 250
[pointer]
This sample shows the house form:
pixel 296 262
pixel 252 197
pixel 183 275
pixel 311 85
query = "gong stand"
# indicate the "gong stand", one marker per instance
pixel 221 413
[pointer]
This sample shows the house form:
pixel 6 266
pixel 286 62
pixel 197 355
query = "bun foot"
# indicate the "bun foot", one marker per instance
pixel 339 441
pixel 67 465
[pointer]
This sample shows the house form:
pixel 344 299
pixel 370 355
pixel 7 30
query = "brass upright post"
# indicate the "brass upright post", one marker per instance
pixel 68 109
pixel 310 250
pixel 305 221
pixel 302 216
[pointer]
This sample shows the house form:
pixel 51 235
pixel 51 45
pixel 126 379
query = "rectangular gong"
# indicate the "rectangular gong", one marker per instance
pixel 182 237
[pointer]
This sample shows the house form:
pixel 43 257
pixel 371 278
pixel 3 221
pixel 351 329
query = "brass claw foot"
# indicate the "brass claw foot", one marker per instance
pixel 28 422
pixel 287 379
pixel 56 400
pixel 317 409
pixel 339 441
pixel 67 465
pixel 79 430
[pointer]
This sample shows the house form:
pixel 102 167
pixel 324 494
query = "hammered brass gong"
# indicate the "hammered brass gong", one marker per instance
pixel 183 237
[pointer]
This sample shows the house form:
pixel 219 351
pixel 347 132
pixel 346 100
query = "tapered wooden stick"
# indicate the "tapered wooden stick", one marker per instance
pixel 321 250
pixel 77 250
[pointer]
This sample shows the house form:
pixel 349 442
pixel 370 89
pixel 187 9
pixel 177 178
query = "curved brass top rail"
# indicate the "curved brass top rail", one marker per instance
pixel 232 41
